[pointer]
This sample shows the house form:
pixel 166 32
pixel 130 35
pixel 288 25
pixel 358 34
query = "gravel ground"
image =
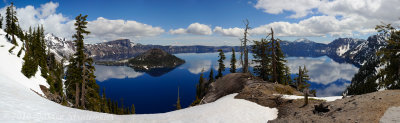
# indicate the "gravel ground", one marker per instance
pixel 366 108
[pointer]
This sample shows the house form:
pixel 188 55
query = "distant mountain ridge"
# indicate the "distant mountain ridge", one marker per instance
pixel 349 50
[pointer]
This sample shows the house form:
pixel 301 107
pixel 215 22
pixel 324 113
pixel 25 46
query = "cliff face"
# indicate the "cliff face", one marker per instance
pixel 123 49
pixel 118 49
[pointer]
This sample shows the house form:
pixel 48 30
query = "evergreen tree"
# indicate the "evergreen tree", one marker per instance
pixel 262 58
pixel 287 77
pixel 41 51
pixel 133 109
pixel 80 74
pixel 390 57
pixel 30 65
pixel 364 81
pixel 221 66
pixel 277 60
pixel 1 22
pixel 302 78
pixel 11 23
pixel 271 60
pixel 211 76
pixel 233 62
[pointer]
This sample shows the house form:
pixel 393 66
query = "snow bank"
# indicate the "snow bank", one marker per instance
pixel 328 99
pixel 19 103
pixel 10 68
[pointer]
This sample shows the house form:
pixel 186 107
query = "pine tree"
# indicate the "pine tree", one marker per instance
pixel 41 52
pixel 261 57
pixel 233 62
pixel 390 57
pixel 221 66
pixel 1 22
pixel 277 60
pixel 80 73
pixel 11 23
pixel 211 76
pixel 364 81
pixel 133 109
pixel 302 78
pixel 271 60
pixel 30 65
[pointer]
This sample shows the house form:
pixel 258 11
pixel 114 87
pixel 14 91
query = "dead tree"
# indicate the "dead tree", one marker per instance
pixel 245 51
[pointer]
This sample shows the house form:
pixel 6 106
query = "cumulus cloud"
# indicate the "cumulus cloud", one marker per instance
pixel 46 15
pixel 101 29
pixel 323 70
pixel 198 66
pixel 104 29
pixel 117 72
pixel 332 17
pixel 233 32
pixel 194 28
pixel 301 8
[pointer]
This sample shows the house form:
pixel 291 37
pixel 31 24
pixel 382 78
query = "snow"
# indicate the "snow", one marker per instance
pixel 328 99
pixel 391 115
pixel 10 68
pixel 343 49
pixel 304 40
pixel 59 46
pixel 19 104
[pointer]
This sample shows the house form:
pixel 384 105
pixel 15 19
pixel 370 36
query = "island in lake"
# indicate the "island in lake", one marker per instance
pixel 155 62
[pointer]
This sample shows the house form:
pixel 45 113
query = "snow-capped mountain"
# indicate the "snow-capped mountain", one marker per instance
pixel 61 47
pixel 341 45
pixel 304 40
pixel 349 50
pixel 360 53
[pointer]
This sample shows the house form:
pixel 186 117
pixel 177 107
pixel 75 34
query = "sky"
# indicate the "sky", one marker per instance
pixel 208 22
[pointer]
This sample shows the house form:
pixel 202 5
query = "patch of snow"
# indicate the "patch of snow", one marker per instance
pixel 10 68
pixel 328 99
pixel 342 49
pixel 391 115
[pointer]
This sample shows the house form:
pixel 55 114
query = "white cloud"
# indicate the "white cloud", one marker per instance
pixel 198 66
pixel 323 70
pixel 178 31
pixel 103 29
pixel 194 28
pixel 46 15
pixel 234 32
pixel 332 17
pixel 117 72
pixel 301 8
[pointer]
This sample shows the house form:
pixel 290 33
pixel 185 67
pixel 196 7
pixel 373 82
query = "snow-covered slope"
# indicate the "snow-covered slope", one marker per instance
pixel 19 103
pixel 10 67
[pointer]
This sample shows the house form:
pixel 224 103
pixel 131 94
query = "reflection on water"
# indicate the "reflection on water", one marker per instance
pixel 156 94
pixel 117 72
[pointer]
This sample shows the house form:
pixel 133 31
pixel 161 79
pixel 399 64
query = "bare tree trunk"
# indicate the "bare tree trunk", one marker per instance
pixel 274 76
pixel 77 95
pixel 245 50
pixel 83 82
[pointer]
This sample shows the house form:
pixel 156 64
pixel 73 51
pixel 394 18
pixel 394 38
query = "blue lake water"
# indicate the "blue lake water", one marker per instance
pixel 158 94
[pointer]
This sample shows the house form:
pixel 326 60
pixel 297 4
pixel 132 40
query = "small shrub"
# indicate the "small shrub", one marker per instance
pixel 283 90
